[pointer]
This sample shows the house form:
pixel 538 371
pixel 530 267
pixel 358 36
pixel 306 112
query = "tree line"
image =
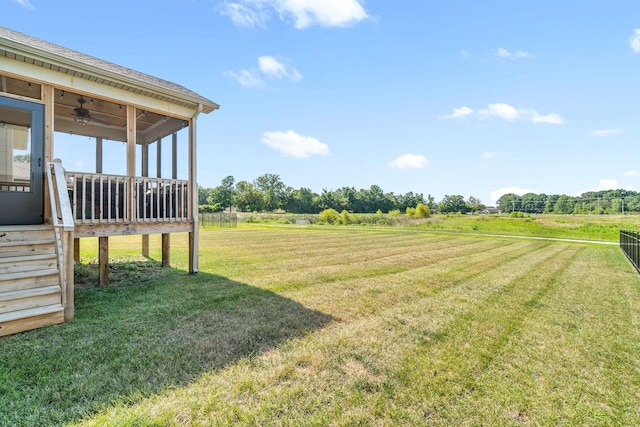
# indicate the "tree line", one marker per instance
pixel 591 202
pixel 268 193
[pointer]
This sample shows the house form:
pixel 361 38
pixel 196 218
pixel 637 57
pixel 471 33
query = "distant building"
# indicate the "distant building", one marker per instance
pixel 491 210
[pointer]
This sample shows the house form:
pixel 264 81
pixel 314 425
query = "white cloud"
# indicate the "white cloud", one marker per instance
pixel 458 113
pixel 25 3
pixel 496 194
pixel 249 78
pixel 304 13
pixel 552 118
pixel 269 67
pixel 293 144
pixel 605 132
pixel 245 14
pixel 504 53
pixel 272 67
pixel 501 110
pixel 632 174
pixel 409 161
pixel 607 184
pixel 634 41
pixel 506 112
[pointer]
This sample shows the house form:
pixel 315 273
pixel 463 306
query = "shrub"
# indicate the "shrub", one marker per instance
pixel 394 212
pixel 330 216
pixel 379 212
pixel 345 219
pixel 411 211
pixel 422 211
pixel 210 208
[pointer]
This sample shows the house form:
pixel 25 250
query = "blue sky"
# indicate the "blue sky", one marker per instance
pixel 463 97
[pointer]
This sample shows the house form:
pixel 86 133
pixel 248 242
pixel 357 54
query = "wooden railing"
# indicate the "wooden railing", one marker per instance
pixel 99 198
pixel 106 199
pixel 63 226
pixel 162 199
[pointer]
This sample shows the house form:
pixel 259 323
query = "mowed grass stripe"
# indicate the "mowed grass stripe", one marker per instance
pixel 346 248
pixel 313 376
pixel 376 261
pixel 451 365
pixel 577 360
pixel 362 296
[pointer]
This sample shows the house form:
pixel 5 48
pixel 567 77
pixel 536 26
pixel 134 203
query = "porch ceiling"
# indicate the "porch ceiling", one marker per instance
pixel 109 120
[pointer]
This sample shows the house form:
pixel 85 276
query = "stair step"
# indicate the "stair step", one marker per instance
pixel 27 263
pixel 28 293
pixel 28 299
pixel 26 258
pixel 37 227
pixel 24 320
pixel 37 247
pixel 28 274
pixel 29 242
pixel 25 233
pixel 37 311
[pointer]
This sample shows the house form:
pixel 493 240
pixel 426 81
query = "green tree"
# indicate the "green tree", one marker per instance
pixel 564 205
pixel 222 194
pixel 509 202
pixel 302 200
pixel 474 204
pixel 248 198
pixel 453 204
pixel 273 189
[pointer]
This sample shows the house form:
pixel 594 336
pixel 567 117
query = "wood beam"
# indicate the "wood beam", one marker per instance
pixel 76 250
pixel 166 249
pixel 145 245
pixel 47 94
pixel 131 158
pixel 174 156
pixel 159 159
pixel 99 155
pixel 145 172
pixel 103 261
pixel 193 207
pixel 97 230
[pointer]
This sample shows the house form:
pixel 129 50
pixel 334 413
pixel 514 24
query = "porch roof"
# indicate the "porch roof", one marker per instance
pixel 31 50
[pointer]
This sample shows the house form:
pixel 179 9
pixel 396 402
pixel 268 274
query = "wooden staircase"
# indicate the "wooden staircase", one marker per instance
pixel 30 291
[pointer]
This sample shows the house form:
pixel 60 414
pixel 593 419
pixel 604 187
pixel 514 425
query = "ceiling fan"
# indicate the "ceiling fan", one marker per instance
pixel 82 115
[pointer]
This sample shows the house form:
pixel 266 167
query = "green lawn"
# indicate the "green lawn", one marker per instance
pixel 340 326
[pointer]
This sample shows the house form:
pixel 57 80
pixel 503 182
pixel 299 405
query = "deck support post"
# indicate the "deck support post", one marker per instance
pixel 166 249
pixel 145 245
pixel 76 250
pixel 103 261
pixel 193 199
pixel 145 173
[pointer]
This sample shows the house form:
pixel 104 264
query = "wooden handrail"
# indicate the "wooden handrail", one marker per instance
pixel 59 197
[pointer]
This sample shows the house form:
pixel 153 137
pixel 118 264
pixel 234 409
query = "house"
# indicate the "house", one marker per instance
pixel 491 210
pixel 46 208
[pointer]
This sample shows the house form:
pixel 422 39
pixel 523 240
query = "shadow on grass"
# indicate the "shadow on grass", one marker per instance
pixel 129 342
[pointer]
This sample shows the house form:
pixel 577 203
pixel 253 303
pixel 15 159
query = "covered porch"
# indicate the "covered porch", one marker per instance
pixel 57 105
